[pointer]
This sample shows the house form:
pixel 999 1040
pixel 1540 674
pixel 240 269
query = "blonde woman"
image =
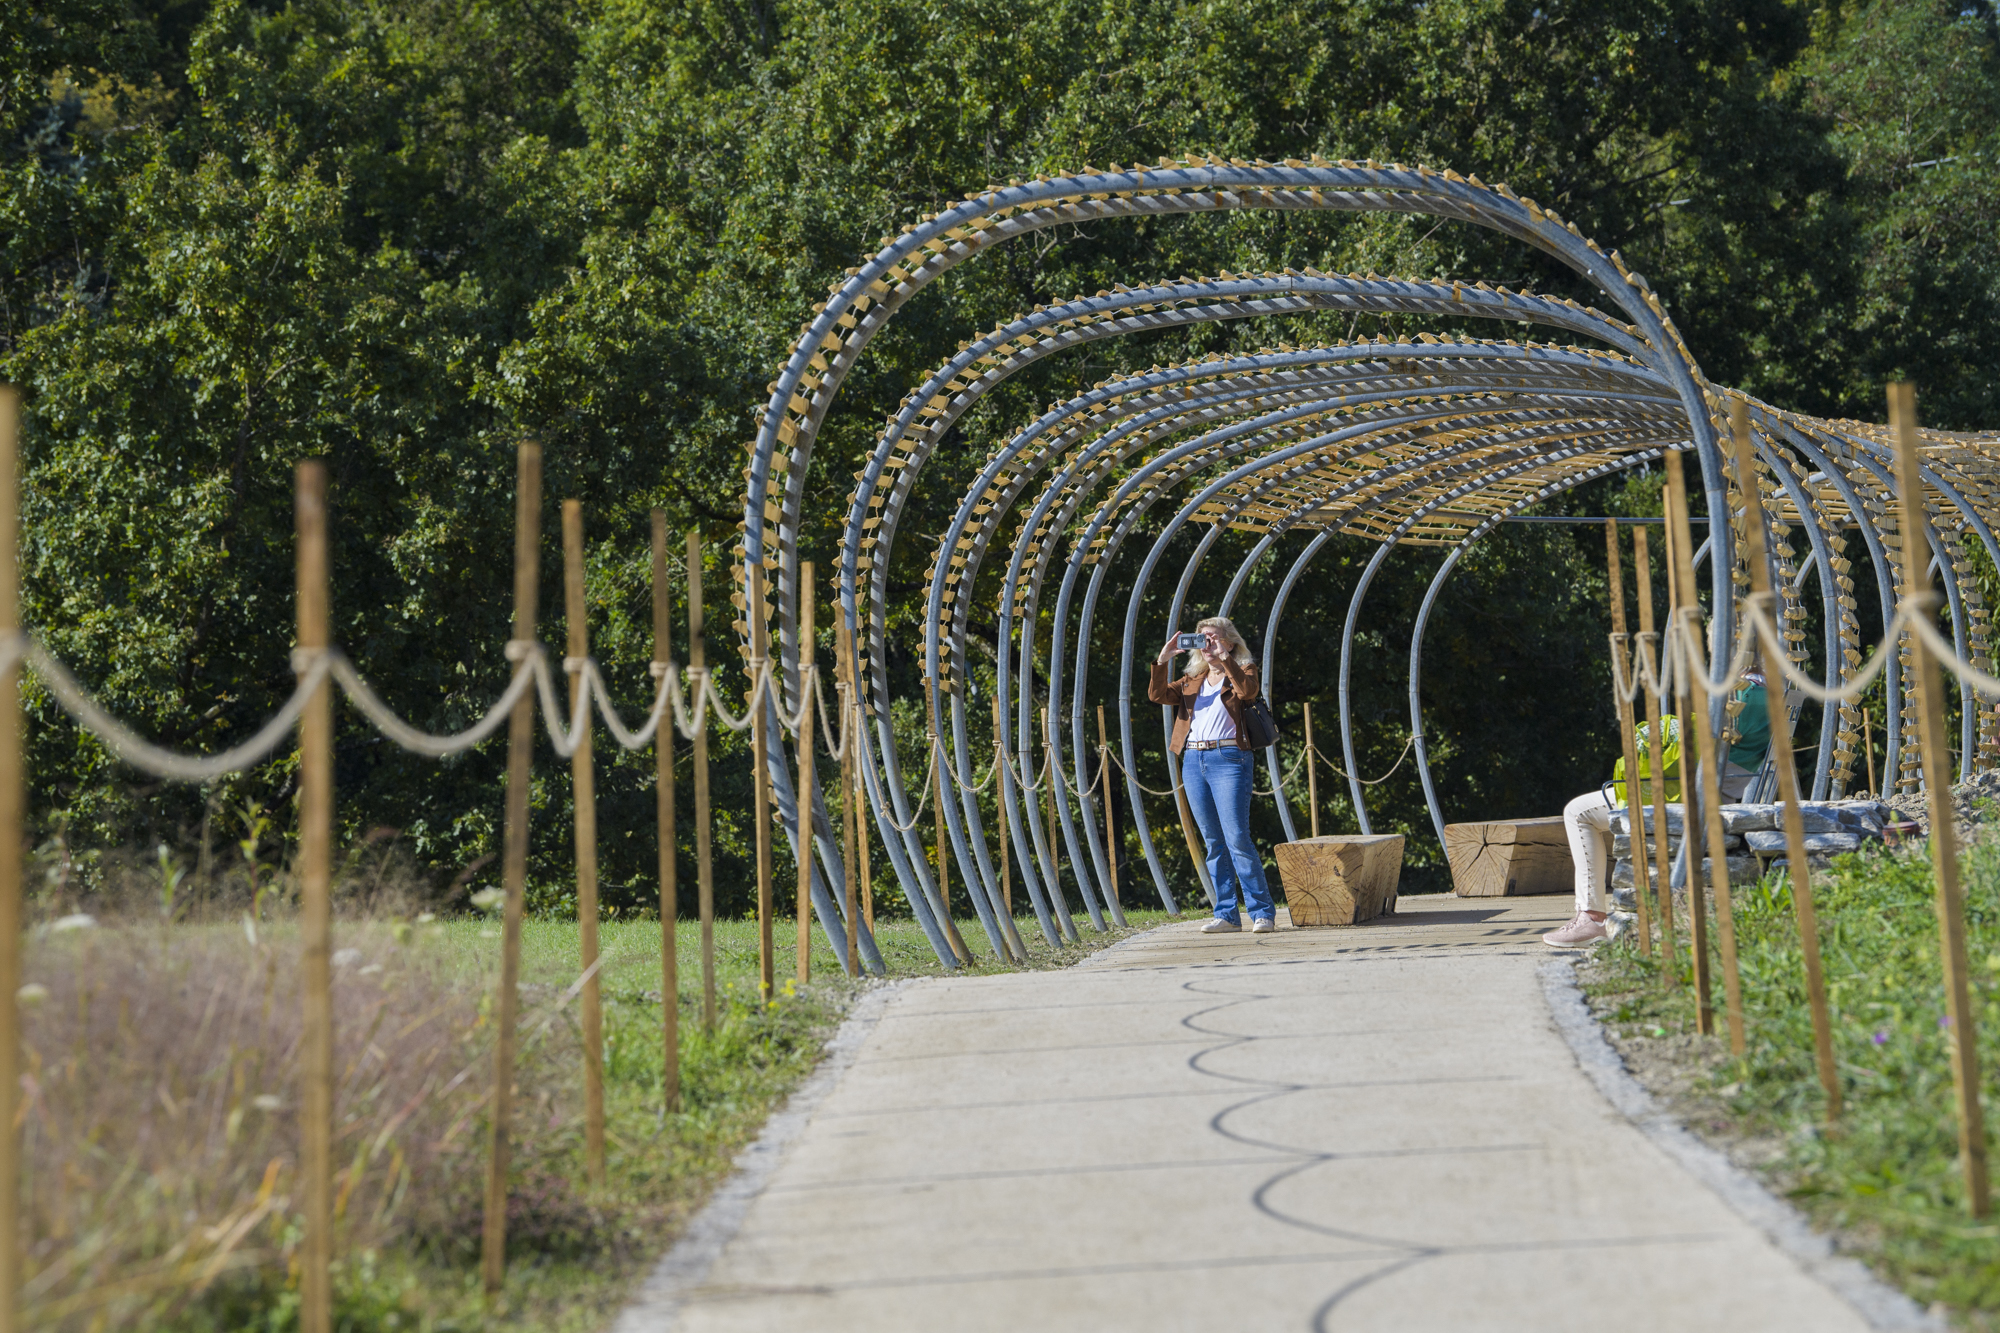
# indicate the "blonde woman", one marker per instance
pixel 1218 767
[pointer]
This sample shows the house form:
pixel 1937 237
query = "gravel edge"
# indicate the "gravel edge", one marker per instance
pixel 1882 1306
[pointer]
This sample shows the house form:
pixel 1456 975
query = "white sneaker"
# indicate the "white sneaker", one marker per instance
pixel 1581 932
pixel 1220 926
pixel 1263 926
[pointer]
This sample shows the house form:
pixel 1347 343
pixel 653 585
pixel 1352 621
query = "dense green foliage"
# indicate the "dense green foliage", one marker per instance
pixel 402 237
pixel 1888 1177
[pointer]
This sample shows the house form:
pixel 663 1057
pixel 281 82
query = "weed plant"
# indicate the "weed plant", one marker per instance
pixel 1887 1178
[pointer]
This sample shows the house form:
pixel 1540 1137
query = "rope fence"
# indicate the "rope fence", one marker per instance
pixel 687 703
pixel 1673 672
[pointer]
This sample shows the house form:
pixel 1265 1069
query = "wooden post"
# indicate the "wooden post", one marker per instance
pixel 583 782
pixel 1663 900
pixel 12 807
pixel 1312 772
pixel 663 789
pixel 704 844
pixel 1681 594
pixel 760 774
pixel 514 859
pixel 315 911
pixel 861 809
pixel 1634 805
pixel 938 835
pixel 1868 739
pixel 1110 828
pixel 808 652
pixel 850 811
pixel 1928 683
pixel 1709 757
pixel 1049 806
pixel 1781 757
pixel 1000 806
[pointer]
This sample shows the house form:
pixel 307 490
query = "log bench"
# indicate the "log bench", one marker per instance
pixel 1509 857
pixel 1341 879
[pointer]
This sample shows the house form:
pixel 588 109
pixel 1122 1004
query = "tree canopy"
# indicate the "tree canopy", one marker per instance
pixel 403 237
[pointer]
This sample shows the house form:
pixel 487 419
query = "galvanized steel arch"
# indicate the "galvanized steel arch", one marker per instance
pixel 1272 426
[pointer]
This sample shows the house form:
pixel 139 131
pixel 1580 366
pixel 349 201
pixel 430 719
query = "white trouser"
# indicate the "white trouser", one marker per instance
pixel 1587 820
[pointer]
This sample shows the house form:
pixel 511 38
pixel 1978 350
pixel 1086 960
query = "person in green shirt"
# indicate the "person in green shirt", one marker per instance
pixel 1587 819
pixel 1753 737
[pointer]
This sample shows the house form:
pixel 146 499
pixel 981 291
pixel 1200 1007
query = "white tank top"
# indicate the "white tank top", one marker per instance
pixel 1211 719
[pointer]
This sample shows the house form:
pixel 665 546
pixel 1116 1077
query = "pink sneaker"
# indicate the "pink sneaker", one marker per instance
pixel 1580 933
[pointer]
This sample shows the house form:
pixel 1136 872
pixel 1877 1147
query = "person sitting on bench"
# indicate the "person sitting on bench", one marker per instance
pixel 1587 820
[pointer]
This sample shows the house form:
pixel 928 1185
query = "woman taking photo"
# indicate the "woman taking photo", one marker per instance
pixel 1217 765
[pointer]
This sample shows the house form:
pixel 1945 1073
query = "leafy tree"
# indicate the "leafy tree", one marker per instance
pixel 401 238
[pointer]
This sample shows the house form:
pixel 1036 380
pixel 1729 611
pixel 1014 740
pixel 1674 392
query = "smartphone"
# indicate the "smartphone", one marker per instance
pixel 1191 643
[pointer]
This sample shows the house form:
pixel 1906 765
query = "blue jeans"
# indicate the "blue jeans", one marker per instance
pixel 1218 784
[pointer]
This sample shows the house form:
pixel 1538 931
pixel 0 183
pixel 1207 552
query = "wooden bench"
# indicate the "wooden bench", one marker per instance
pixel 1340 879
pixel 1509 857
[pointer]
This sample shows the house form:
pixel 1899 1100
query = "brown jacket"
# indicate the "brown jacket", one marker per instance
pixel 1178 693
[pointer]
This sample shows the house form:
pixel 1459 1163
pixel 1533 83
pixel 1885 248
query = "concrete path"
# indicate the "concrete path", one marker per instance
pixel 1377 1128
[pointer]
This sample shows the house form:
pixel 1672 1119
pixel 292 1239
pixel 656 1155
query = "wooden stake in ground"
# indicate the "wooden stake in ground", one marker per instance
pixel 861 809
pixel 760 771
pixel 1000 807
pixel 663 790
pixel 514 858
pixel 1781 757
pixel 850 812
pixel 1868 739
pixel 1052 778
pixel 808 652
pixel 1634 803
pixel 12 807
pixel 1681 594
pixel 1709 757
pixel 1929 685
pixel 1312 773
pixel 1110 829
pixel 941 779
pixel 1656 743
pixel 315 911
pixel 583 782
pixel 704 845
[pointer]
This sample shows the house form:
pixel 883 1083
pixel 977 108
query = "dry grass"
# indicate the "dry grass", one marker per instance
pixel 160 1131
pixel 160 1135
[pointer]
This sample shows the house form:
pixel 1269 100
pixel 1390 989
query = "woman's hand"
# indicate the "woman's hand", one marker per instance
pixel 1172 646
pixel 1213 648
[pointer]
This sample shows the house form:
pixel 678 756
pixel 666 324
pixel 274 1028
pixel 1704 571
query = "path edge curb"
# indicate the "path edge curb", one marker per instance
pixel 1879 1304
pixel 656 1307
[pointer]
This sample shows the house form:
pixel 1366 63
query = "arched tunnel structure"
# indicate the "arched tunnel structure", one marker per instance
pixel 1424 441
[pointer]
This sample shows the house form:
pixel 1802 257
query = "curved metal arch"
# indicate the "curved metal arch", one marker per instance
pixel 1081 549
pixel 1084 544
pixel 945 571
pixel 1014 581
pixel 1603 370
pixel 1420 750
pixel 843 326
pixel 865 304
pixel 1264 464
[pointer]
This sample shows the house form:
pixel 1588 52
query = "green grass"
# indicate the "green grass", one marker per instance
pixel 1887 1177
pixel 576 1249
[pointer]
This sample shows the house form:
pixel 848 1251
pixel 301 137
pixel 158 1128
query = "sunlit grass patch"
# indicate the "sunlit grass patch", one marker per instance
pixel 1886 1178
